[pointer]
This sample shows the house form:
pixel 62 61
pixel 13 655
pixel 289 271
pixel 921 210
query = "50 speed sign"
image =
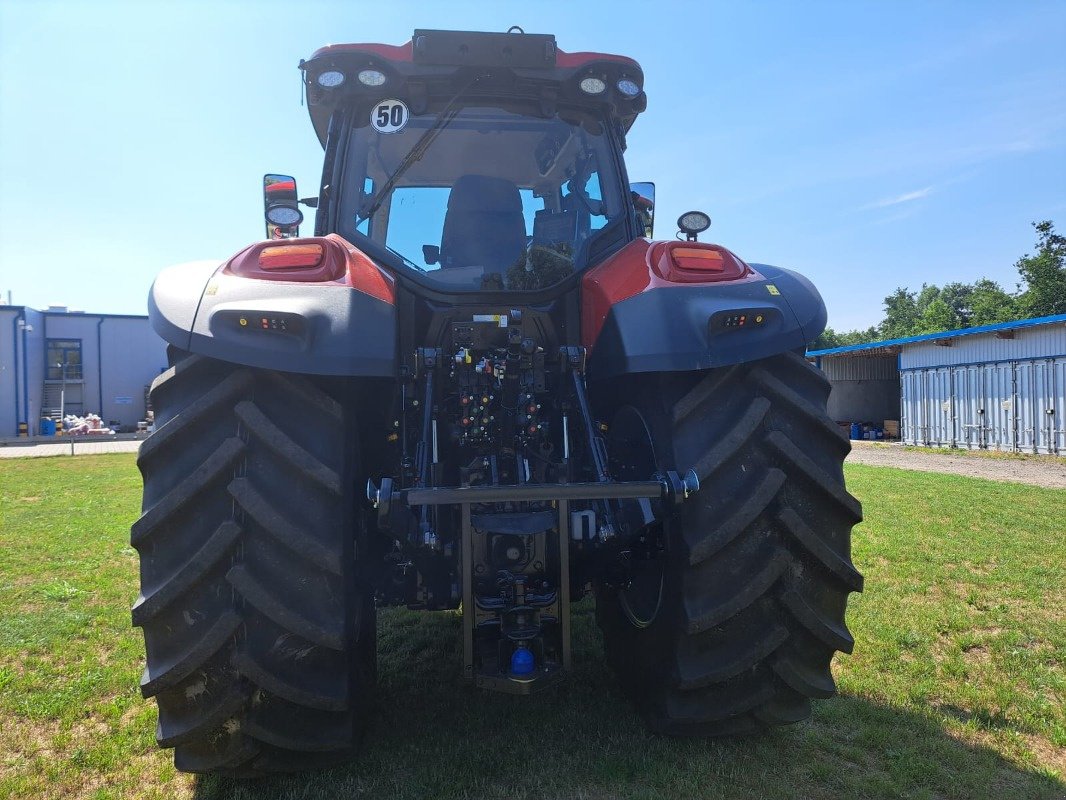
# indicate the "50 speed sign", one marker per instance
pixel 389 116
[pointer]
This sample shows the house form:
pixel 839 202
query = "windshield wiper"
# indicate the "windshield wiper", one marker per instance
pixel 404 258
pixel 373 203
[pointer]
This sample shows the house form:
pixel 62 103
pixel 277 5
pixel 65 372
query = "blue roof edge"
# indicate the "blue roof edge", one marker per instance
pixel 928 337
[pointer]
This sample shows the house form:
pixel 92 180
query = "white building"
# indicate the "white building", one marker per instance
pixel 997 387
pixel 98 363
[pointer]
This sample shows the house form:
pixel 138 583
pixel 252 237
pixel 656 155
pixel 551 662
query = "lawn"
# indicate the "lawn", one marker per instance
pixel 956 688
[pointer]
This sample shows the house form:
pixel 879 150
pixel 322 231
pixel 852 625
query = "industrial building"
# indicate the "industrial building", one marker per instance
pixel 79 363
pixel 995 387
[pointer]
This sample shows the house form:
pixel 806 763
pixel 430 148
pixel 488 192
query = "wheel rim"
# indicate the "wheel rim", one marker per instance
pixel 632 458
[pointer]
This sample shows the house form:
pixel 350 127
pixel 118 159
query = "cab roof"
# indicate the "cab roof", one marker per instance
pixel 434 62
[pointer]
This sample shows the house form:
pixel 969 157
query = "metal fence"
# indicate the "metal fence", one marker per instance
pixel 1017 405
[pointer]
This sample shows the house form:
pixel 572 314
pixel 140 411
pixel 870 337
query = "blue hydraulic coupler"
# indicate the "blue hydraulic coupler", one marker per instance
pixel 521 660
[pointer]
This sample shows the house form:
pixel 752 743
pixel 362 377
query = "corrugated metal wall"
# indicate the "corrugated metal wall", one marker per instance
pixel 1015 404
pixel 860 367
pixel 1037 342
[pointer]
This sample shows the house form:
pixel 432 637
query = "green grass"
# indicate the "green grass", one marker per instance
pixel 955 690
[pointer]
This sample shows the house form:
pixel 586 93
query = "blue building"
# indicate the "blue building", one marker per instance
pixel 88 363
pixel 994 387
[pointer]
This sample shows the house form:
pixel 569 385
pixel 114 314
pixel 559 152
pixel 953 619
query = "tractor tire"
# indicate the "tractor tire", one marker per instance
pixel 258 619
pixel 736 627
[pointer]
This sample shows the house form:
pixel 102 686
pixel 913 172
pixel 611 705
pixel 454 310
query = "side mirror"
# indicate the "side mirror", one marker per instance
pixel 430 253
pixel 281 207
pixel 643 195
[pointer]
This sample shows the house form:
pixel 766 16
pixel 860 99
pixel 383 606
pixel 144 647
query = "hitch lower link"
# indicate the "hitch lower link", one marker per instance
pixel 670 488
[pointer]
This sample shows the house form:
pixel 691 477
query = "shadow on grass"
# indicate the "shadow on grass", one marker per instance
pixel 431 737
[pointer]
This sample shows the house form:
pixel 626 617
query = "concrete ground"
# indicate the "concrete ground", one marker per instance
pixel 78 445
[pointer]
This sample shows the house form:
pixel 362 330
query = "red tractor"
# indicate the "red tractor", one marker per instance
pixel 479 386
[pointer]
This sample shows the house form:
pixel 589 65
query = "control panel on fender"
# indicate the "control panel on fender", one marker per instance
pixel 742 319
pixel 259 322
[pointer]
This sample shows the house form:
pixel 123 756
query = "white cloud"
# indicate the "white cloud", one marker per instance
pixel 907 197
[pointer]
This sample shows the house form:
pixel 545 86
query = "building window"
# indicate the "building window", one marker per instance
pixel 60 352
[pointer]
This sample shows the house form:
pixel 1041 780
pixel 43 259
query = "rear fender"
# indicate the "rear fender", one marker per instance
pixel 637 318
pixel 340 322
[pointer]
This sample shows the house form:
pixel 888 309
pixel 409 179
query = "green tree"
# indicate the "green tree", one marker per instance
pixel 990 304
pixel 827 339
pixel 830 338
pixel 901 314
pixel 959 296
pixel 926 296
pixel 938 316
pixel 1044 274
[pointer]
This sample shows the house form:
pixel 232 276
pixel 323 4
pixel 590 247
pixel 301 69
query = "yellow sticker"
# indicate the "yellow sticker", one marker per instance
pixel 772 289
pixel 499 319
pixel 212 288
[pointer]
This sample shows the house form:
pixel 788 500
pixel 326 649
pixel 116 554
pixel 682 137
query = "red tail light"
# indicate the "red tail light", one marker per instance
pixel 698 258
pixel 327 259
pixel 291 256
pixel 696 262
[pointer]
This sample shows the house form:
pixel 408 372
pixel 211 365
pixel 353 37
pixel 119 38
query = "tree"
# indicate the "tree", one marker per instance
pixel 938 316
pixel 827 339
pixel 990 304
pixel 830 338
pixel 926 297
pixel 959 296
pixel 901 314
pixel 1044 274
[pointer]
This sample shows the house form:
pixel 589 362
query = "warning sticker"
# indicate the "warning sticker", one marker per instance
pixel 772 289
pixel 499 319
pixel 389 116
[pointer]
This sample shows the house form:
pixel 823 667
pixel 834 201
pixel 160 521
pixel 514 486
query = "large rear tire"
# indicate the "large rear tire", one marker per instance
pixel 258 621
pixel 739 633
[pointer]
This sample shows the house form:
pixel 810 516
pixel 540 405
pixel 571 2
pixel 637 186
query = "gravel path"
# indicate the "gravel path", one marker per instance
pixel 1036 470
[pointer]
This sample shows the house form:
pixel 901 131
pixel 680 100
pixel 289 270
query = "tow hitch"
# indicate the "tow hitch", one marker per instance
pixel 515 563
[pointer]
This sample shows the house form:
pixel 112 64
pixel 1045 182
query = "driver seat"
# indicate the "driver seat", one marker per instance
pixel 483 225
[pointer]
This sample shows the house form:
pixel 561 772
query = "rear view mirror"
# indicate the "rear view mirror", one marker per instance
pixel 643 195
pixel 280 207
pixel 430 253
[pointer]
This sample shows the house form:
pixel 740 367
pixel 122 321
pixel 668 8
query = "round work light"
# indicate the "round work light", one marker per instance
pixel 330 79
pixel 593 86
pixel 371 77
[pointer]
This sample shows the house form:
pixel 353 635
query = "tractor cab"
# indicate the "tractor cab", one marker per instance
pixel 477 161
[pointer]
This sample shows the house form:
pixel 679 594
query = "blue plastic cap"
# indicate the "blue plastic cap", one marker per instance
pixel 521 660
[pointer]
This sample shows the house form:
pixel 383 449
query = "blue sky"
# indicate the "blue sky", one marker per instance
pixel 868 145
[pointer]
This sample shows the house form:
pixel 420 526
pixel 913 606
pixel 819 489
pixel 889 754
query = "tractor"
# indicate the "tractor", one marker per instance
pixel 481 386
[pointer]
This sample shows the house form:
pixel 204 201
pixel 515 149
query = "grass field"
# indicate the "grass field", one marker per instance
pixel 956 688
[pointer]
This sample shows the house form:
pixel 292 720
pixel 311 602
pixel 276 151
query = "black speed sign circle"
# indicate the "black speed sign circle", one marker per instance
pixel 389 116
